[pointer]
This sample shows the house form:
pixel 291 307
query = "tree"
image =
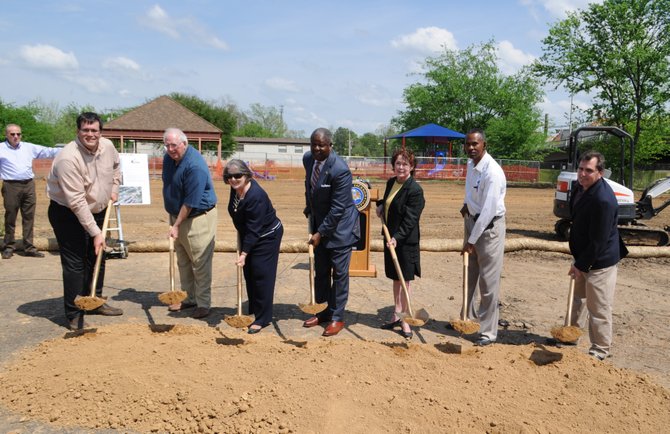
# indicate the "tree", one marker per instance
pixel 341 138
pixel 372 143
pixel 618 51
pixel 262 121
pixel 26 117
pixel 218 115
pixel 466 89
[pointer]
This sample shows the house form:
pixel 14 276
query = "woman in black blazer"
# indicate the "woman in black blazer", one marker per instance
pixel 259 238
pixel 401 209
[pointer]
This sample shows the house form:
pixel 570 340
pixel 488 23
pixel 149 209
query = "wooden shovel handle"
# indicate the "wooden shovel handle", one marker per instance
pixel 398 271
pixel 466 261
pixel 98 259
pixel 172 273
pixel 239 276
pixel 571 294
pixel 310 251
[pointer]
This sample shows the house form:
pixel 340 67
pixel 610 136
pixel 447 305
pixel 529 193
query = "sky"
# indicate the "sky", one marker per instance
pixel 324 63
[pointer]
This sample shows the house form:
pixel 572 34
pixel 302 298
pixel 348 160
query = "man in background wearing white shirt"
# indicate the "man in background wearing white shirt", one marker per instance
pixel 18 188
pixel 484 216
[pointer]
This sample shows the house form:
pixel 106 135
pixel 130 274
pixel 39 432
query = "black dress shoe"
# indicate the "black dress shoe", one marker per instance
pixel 34 254
pixel 253 331
pixel 7 253
pixel 390 325
pixel 406 335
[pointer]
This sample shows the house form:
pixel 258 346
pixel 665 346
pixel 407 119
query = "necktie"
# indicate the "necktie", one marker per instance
pixel 315 175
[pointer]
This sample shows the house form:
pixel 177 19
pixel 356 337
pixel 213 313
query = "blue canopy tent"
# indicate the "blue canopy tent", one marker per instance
pixel 432 131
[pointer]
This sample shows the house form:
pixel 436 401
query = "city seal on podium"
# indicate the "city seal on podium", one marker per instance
pixel 361 194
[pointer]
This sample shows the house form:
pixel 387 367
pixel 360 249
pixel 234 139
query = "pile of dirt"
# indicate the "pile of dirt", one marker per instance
pixel 187 379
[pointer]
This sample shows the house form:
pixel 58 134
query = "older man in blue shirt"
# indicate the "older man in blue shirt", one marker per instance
pixel 18 188
pixel 189 198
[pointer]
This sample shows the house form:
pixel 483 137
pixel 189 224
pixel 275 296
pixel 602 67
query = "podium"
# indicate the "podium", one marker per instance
pixel 364 198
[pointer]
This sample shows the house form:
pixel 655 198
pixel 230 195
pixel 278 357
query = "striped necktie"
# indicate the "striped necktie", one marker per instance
pixel 315 175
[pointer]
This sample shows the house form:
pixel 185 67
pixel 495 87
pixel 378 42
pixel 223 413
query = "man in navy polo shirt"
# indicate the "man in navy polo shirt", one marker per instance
pixel 189 198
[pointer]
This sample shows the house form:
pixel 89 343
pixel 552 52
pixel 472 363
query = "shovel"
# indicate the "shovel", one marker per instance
pixel 568 333
pixel 464 326
pixel 412 318
pixel 172 296
pixel 91 302
pixel 239 321
pixel 312 307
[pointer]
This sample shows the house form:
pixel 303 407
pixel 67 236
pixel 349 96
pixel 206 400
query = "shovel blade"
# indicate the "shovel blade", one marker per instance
pixel 172 297
pixel 419 319
pixel 239 321
pixel 88 303
pixel 313 309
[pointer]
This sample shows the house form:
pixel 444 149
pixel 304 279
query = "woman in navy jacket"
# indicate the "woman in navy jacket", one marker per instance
pixel 401 209
pixel 259 234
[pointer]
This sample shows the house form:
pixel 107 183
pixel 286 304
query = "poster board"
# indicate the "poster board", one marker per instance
pixel 134 188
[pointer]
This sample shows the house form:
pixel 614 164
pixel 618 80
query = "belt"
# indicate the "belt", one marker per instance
pixel 23 181
pixel 200 212
pixel 490 225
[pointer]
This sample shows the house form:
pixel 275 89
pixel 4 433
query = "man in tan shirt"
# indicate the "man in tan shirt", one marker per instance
pixel 84 176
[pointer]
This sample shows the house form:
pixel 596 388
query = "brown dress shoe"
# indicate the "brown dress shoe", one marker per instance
pixel 313 321
pixel 106 310
pixel 333 328
pixel 200 312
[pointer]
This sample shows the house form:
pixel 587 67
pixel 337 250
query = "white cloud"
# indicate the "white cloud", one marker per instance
pixel 158 19
pixel 121 63
pixel 511 59
pixel 48 57
pixel 125 93
pixel 91 84
pixel 278 83
pixel 559 8
pixel 426 40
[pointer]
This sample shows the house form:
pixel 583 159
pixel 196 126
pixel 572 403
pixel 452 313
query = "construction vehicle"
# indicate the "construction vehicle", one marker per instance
pixel 631 212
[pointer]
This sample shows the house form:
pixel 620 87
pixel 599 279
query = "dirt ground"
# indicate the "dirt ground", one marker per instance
pixel 154 371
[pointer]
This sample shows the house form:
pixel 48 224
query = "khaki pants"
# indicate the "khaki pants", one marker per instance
pixel 195 251
pixel 593 300
pixel 484 270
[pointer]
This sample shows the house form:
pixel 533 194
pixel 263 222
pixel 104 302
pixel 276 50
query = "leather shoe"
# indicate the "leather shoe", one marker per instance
pixel 180 306
pixel 106 310
pixel 7 253
pixel 200 312
pixel 406 335
pixel 253 331
pixel 483 342
pixel 34 254
pixel 333 328
pixel 391 325
pixel 77 323
pixel 313 321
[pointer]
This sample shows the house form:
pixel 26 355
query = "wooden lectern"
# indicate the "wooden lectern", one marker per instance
pixel 364 198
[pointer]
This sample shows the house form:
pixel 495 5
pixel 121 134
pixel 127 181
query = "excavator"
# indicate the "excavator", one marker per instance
pixel 631 212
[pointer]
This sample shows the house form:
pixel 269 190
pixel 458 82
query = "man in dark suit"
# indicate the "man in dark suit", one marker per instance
pixel 596 247
pixel 334 221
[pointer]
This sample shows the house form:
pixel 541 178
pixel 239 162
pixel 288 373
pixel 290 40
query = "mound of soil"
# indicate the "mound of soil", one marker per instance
pixel 188 379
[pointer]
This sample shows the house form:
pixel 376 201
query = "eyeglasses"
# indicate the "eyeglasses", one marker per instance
pixel 15 134
pixel 227 176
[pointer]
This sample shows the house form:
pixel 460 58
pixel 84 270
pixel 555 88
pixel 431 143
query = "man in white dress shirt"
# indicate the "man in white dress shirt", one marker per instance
pixel 484 216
